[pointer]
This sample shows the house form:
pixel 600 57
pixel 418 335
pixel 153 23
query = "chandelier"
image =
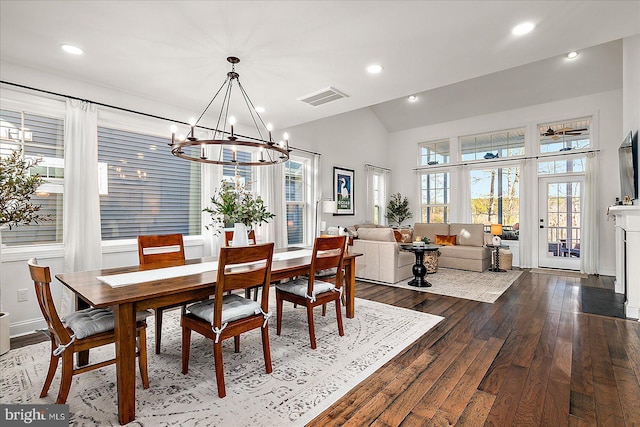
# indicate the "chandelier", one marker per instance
pixel 264 151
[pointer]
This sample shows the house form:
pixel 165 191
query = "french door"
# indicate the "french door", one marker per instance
pixel 560 219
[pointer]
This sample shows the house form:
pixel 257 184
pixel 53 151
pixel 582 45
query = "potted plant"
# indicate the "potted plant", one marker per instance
pixel 17 186
pixel 233 205
pixel 398 209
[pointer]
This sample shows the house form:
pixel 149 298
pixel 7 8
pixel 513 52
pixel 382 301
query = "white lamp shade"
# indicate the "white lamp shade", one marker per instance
pixel 329 206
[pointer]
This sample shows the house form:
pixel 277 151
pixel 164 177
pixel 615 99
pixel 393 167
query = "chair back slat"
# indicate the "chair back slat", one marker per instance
pixel 41 277
pixel 228 237
pixel 160 248
pixel 328 252
pixel 242 268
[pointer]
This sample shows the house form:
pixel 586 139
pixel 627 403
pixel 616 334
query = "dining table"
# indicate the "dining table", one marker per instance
pixel 127 290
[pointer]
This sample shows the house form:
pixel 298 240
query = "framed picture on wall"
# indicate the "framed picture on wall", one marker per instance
pixel 343 188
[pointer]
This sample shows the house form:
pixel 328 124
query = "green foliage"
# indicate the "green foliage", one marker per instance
pixel 398 209
pixel 16 188
pixel 232 204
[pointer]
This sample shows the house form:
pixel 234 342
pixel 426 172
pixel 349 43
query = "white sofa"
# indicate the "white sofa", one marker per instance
pixel 381 260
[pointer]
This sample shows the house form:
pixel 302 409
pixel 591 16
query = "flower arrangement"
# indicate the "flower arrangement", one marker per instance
pixel 232 203
pixel 17 186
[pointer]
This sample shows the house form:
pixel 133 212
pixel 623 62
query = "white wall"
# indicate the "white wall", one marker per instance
pixel 606 109
pixel 348 140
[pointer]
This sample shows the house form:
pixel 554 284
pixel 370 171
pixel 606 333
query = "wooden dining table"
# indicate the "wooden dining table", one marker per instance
pixel 126 300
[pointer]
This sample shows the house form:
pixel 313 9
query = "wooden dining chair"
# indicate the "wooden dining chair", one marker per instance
pixel 80 331
pixel 228 237
pixel 230 315
pixel 310 291
pixel 158 249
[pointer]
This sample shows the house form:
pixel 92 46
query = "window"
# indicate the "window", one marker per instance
pixel 434 153
pixel 149 191
pixel 435 197
pixel 295 200
pixel 555 167
pixel 495 198
pixel 377 199
pixel 40 137
pixel 565 136
pixel 243 173
pixel 493 145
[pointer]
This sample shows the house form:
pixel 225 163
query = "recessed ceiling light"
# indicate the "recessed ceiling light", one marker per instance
pixel 374 68
pixel 572 55
pixel 74 50
pixel 412 98
pixel 524 28
pixel 260 109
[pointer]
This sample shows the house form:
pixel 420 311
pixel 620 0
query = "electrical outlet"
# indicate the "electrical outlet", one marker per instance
pixel 23 295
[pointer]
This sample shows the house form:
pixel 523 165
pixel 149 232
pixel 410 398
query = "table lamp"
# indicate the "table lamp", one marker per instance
pixel 496 230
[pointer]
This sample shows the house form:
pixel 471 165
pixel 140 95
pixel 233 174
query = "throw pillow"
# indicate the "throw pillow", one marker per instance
pixel 445 240
pixel 397 235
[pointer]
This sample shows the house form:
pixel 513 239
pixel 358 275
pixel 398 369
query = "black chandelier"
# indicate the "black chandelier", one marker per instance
pixel 264 150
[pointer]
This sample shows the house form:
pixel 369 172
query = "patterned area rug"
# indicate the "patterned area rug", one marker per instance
pixel 304 382
pixel 484 287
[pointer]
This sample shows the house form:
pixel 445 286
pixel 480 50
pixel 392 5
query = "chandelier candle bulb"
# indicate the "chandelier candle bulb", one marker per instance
pixel 270 128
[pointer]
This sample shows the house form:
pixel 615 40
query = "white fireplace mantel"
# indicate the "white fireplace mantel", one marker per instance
pixel 627 221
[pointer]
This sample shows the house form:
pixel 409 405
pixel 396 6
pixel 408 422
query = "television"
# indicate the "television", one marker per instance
pixel 628 156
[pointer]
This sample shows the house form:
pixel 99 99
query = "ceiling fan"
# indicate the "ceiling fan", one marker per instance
pixel 555 134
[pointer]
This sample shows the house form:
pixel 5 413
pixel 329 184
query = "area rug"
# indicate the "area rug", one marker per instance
pixel 484 287
pixel 304 382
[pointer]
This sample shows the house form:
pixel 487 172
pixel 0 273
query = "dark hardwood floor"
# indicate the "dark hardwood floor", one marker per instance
pixel 532 358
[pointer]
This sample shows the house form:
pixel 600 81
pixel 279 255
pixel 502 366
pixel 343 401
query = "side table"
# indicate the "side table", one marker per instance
pixel 495 257
pixel 419 270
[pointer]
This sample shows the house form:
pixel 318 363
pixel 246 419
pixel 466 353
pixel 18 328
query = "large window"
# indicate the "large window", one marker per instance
pixel 40 137
pixel 493 145
pixel 435 197
pixel 495 198
pixel 295 201
pixel 149 190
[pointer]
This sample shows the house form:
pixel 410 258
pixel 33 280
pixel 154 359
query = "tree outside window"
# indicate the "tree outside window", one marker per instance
pixel 495 199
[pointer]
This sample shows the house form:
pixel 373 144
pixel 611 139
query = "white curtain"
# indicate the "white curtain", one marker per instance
pixel 272 191
pixel 213 235
pixel 589 241
pixel 461 200
pixel 528 233
pixel 81 212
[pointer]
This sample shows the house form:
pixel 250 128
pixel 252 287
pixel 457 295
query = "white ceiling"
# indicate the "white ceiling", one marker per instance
pixel 174 52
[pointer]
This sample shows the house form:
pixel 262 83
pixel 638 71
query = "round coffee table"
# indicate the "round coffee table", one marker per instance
pixel 419 270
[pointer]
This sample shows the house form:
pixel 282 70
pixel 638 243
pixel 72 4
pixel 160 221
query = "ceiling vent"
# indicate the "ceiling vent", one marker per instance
pixel 323 96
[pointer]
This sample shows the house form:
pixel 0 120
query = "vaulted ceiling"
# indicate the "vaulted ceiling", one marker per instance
pixel 460 58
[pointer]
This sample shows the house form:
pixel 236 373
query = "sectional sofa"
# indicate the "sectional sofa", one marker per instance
pixel 467 251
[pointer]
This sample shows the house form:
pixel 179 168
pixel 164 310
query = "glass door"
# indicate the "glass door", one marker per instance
pixel 560 202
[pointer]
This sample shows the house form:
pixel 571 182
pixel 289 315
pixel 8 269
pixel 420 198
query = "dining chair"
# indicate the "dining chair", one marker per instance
pixel 157 249
pixel 310 291
pixel 228 237
pixel 230 315
pixel 80 331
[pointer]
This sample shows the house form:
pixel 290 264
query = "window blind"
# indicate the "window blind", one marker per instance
pixel 149 190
